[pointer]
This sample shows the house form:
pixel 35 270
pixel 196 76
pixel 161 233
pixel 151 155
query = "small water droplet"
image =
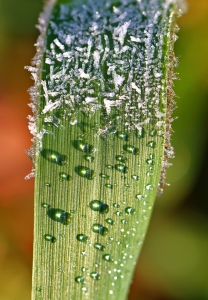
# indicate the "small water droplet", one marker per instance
pixel 89 158
pixel 129 210
pixel 110 167
pixel 150 161
pixel 123 221
pixel 151 144
pixel 105 176
pixel 135 177
pixel 153 133
pixel 59 215
pixel 118 213
pixel 95 275
pixel 121 158
pixel 82 238
pixel 116 205
pixel 108 257
pixel 121 168
pixel 84 289
pixel 98 228
pixel 54 156
pixel 122 136
pixel 45 205
pixel 149 187
pixel 99 206
pixel 64 176
pixel 82 146
pixel 109 221
pixel 84 269
pixel 109 186
pixel 85 172
pixel 48 184
pixel 38 289
pixel 131 149
pixel 149 174
pixel 152 156
pixel 49 238
pixel 140 133
pixel 99 246
pixel 79 279
pixel 139 196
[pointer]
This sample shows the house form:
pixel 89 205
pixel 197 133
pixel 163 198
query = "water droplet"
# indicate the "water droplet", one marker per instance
pixel 84 269
pixel 150 161
pixel 45 205
pixel 111 292
pixel 85 172
pixel 121 158
pixel 129 210
pixel 38 289
pixel 122 136
pixel 98 228
pixel 149 174
pixel 153 133
pixel 48 184
pixel 109 221
pixel 95 275
pixel 99 246
pixel 49 238
pixel 109 186
pixel 123 221
pixel 64 176
pixel 82 146
pixel 110 167
pixel 104 175
pixel 89 158
pixel 140 133
pixel 84 289
pixel 151 144
pixel 59 215
pixel 131 149
pixel 149 187
pixel 79 279
pixel 108 257
pixel 118 213
pixel 135 177
pixel 139 196
pixel 152 156
pixel 121 168
pixel 99 206
pixel 54 157
pixel 82 238
pixel 116 205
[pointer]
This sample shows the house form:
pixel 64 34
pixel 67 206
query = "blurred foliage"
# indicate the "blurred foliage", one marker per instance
pixel 173 264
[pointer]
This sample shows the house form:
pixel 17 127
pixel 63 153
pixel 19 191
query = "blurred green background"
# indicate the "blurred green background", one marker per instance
pixel 173 263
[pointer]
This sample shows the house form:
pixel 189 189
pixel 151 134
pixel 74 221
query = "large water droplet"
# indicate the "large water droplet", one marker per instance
pixel 99 206
pixel 98 228
pixel 121 168
pixel 59 215
pixel 54 156
pixel 64 176
pixel 89 158
pixel 109 221
pixel 131 149
pixel 85 172
pixel 82 238
pixel 49 238
pixel 108 257
pixel 121 158
pixel 129 210
pixel 99 246
pixel 122 136
pixel 151 144
pixel 95 275
pixel 82 146
pixel 79 279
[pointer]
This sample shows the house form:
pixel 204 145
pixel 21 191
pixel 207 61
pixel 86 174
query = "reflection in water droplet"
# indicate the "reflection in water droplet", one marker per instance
pixel 64 176
pixel 82 146
pixel 109 186
pixel 82 238
pixel 59 215
pixel 89 158
pixel 108 257
pixel 109 221
pixel 121 158
pixel 85 172
pixel 49 238
pixel 129 210
pixel 45 205
pixel 135 177
pixel 149 187
pixel 131 149
pixel 122 135
pixel 99 206
pixel 95 275
pixel 99 246
pixel 98 228
pixel 151 144
pixel 121 168
pixel 104 175
pixel 54 156
pixel 79 279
